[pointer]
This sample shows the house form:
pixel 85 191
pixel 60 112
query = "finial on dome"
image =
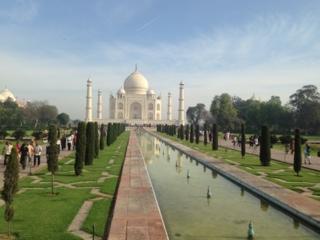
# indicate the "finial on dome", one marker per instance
pixel 136 68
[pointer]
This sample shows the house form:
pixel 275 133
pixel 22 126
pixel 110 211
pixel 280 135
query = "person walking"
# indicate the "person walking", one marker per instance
pixel 7 152
pixel 307 154
pixel 37 155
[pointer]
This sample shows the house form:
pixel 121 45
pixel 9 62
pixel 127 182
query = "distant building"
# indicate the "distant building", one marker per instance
pixel 6 95
pixel 135 103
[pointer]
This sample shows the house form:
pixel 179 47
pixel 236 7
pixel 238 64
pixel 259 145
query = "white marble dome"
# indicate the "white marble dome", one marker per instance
pixel 136 83
pixel 151 92
pixel 121 91
pixel 6 94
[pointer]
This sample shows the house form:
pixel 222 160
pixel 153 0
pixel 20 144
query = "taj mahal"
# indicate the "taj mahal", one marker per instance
pixel 135 103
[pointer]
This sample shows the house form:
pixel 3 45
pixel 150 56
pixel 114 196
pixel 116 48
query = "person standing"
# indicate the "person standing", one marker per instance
pixel 30 152
pixel 24 150
pixel 69 142
pixel 7 152
pixel 37 155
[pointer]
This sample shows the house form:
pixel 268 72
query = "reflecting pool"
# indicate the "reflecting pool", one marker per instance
pixel 189 214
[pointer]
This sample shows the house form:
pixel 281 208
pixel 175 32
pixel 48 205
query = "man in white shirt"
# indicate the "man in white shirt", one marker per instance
pixel 7 151
pixel 37 155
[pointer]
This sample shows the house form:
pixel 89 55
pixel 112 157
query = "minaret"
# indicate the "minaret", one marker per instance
pixel 181 104
pixel 89 101
pixel 99 107
pixel 169 113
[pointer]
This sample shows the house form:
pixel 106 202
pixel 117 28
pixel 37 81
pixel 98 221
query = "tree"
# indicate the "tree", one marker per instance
pixel 181 132
pixel 80 148
pixel 197 132
pixel 222 108
pixel 205 135
pixel 191 134
pixel 90 144
pixel 63 119
pixel 47 113
pixel 96 140
pixel 10 186
pixel 215 143
pixel 52 154
pixel 265 153
pixel 306 105
pixel 103 136
pixel 109 133
pixel 197 114
pixel 19 134
pixel 297 152
pixel 243 141
pixel 187 132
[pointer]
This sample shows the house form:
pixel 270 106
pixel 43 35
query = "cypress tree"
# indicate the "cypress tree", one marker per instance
pixel 96 140
pixel 90 146
pixel 243 141
pixel 80 148
pixel 102 137
pixel 197 133
pixel 215 143
pixel 205 135
pixel 182 132
pixel 191 134
pixel 297 161
pixel 52 154
pixel 265 153
pixel 10 186
pixel 109 134
pixel 187 132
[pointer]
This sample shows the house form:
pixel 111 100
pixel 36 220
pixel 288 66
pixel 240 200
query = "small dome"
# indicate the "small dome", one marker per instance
pixel 121 91
pixel 6 94
pixel 151 92
pixel 136 83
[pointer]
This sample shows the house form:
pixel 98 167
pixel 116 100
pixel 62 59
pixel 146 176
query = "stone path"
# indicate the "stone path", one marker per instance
pixel 301 206
pixel 275 154
pixel 136 214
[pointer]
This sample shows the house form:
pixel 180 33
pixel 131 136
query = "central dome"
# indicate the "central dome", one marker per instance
pixel 6 94
pixel 136 83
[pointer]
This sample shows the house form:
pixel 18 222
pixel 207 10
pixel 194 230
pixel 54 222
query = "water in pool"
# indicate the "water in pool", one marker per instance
pixel 189 214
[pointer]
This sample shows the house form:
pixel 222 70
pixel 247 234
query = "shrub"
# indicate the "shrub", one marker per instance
pixel 19 134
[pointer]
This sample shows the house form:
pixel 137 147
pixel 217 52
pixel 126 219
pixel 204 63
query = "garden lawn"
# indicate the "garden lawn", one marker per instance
pixel 39 215
pixel 277 172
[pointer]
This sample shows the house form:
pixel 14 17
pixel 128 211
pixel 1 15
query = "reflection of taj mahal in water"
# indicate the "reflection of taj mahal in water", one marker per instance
pixel 135 103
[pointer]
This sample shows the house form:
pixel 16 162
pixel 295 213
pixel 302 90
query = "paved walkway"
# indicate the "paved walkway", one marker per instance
pixel 304 207
pixel 25 172
pixel 275 154
pixel 136 214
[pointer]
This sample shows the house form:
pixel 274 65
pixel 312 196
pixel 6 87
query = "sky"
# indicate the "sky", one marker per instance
pixel 48 49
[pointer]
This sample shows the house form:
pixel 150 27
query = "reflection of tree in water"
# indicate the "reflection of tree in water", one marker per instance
pixel 242 192
pixel 296 223
pixel 264 205
pixel 214 174
pixel 179 162
pixel 204 168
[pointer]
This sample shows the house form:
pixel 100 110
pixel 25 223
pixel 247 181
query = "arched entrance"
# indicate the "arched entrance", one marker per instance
pixel 135 111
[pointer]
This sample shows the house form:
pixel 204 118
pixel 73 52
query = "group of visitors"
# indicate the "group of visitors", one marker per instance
pixel 68 142
pixel 27 152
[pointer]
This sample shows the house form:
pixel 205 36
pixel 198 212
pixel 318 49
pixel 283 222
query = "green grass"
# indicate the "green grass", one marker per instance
pixel 97 216
pixel 277 172
pixel 39 215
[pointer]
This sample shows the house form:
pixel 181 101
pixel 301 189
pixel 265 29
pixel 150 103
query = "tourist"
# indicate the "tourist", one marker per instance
pixel 74 140
pixel 307 154
pixel 30 152
pixel 69 142
pixel 63 142
pixel 256 142
pixel 37 155
pixel 235 141
pixel 7 152
pixel 24 150
pixel 59 144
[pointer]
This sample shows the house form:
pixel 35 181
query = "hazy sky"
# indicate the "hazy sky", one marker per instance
pixel 48 48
